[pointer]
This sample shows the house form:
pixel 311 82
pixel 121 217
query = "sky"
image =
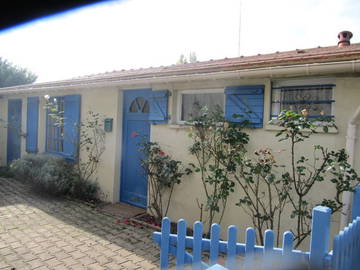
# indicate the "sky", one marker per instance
pixel 116 35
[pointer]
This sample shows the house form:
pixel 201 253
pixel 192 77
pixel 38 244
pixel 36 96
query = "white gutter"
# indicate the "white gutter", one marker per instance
pixel 266 72
pixel 350 149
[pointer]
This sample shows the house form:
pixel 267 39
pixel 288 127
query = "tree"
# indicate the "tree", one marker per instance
pixel 183 60
pixel 11 75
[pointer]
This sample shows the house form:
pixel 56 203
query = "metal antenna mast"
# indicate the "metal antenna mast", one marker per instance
pixel 239 41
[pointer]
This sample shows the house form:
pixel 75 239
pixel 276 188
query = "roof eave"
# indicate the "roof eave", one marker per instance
pixel 303 69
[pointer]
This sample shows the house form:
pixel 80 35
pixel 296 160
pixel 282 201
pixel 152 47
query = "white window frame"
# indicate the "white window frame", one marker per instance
pixel 194 91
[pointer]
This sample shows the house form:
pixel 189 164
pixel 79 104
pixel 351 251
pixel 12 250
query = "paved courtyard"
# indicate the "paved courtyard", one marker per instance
pixel 43 233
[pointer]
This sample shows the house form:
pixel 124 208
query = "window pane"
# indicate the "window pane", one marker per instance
pixel 146 108
pixel 193 103
pixel 317 100
pixel 139 105
pixel 55 130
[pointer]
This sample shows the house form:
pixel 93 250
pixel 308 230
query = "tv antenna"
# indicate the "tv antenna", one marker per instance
pixel 239 41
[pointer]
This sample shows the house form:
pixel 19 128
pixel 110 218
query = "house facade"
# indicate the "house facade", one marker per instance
pixel 155 103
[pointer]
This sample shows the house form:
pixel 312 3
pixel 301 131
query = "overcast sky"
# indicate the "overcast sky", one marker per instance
pixel 128 34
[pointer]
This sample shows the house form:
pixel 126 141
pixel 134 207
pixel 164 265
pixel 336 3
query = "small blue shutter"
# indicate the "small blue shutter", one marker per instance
pixel 32 124
pixel 71 125
pixel 159 106
pixel 247 101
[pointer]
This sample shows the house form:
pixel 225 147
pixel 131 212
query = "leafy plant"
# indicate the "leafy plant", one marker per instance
pixel 263 194
pixel 217 146
pixel 52 175
pixel 325 167
pixel 163 173
pixel 6 172
pixel 268 189
pixel 91 144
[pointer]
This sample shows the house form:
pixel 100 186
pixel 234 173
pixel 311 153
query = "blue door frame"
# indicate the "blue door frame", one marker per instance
pixel 136 129
pixel 14 130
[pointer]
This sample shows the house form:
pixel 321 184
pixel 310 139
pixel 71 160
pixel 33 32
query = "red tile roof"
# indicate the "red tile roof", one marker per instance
pixel 295 57
pixel 287 58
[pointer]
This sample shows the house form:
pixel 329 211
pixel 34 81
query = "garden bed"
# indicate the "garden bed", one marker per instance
pixel 148 220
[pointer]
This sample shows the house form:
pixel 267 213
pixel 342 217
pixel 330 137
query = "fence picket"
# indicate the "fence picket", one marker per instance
pixel 346 248
pixel 287 247
pixel 197 247
pixel 319 236
pixel 231 248
pixel 342 252
pixel 355 211
pixel 335 260
pixel 357 239
pixel 249 248
pixel 351 246
pixel 214 243
pixel 268 249
pixel 165 242
pixel 180 251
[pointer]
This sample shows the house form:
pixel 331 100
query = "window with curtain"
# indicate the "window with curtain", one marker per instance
pixel 193 101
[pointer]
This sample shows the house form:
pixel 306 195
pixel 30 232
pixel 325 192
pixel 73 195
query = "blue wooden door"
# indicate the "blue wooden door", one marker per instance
pixel 136 128
pixel 14 129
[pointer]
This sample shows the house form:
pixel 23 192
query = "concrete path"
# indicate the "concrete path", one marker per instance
pixel 44 233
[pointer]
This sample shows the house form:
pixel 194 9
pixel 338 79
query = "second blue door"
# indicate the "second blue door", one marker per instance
pixel 14 130
pixel 136 129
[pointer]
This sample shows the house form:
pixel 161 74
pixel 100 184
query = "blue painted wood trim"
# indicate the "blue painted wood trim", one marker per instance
pixel 356 203
pixel 71 124
pixel 32 124
pixel 14 130
pixel 305 86
pixel 244 89
pixel 159 103
pixel 305 102
pixel 320 235
pixel 309 116
pixel 247 101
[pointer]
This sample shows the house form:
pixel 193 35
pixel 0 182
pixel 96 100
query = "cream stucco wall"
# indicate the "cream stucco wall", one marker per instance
pixel 106 102
pixel 175 141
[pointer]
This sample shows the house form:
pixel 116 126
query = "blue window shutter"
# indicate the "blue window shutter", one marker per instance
pixel 159 106
pixel 71 125
pixel 32 124
pixel 247 101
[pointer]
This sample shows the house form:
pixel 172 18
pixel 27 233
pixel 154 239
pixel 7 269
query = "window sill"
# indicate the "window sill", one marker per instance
pixel 319 129
pixel 179 126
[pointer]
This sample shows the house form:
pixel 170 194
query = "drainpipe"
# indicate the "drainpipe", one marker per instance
pixel 350 149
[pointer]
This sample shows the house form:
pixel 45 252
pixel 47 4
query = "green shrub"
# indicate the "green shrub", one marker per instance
pixel 53 175
pixel 5 172
pixel 84 190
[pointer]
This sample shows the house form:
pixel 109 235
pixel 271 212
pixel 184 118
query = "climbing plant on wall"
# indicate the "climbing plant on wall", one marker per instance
pixel 216 146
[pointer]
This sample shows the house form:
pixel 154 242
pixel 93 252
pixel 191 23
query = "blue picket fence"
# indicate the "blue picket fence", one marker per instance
pixel 346 252
pixel 200 253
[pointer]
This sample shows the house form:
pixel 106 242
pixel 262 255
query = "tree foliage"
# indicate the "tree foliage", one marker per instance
pixel 217 145
pixel 11 75
pixel 163 173
pixel 191 59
